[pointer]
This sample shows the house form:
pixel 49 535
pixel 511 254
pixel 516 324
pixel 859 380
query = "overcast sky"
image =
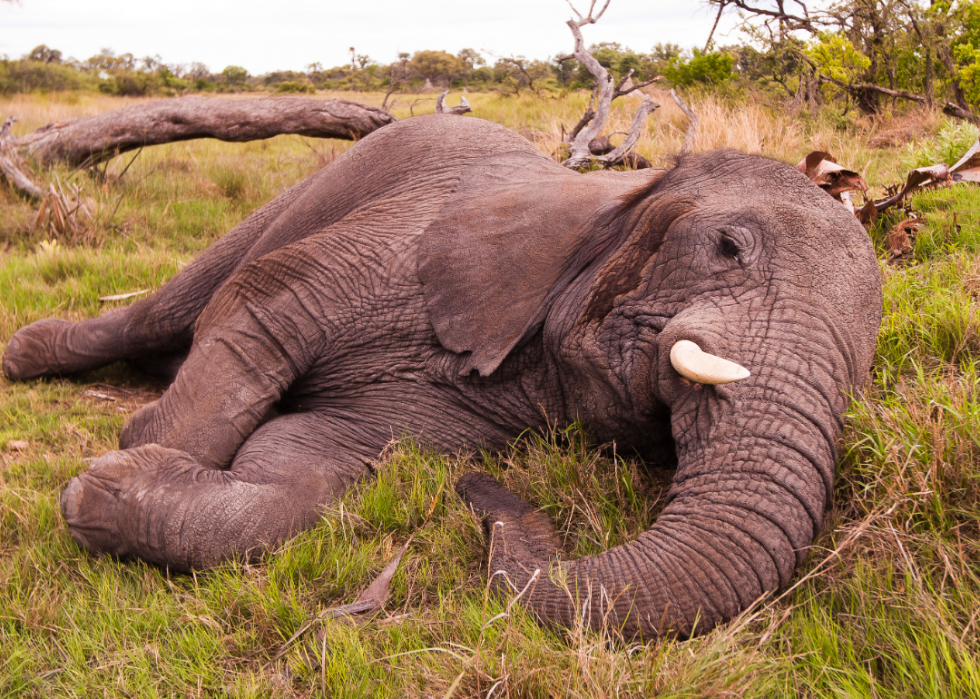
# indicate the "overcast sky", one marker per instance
pixel 264 35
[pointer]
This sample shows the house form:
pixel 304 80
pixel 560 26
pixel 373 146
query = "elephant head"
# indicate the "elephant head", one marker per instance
pixel 727 307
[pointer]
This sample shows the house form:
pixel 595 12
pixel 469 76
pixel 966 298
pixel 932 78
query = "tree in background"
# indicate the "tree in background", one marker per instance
pixel 436 67
pixel 871 50
pixel 42 54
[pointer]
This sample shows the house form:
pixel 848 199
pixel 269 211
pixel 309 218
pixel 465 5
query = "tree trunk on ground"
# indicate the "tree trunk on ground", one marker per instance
pixel 90 140
pixel 18 179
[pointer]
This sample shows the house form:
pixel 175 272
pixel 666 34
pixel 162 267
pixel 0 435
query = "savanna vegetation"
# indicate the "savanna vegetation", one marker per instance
pixel 887 604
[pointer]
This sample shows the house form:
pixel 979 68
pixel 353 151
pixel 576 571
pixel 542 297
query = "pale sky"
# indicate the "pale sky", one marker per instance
pixel 266 35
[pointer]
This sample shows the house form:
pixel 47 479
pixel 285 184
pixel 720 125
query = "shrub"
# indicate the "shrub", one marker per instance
pixel 34 76
pixel 701 68
pixel 291 86
pixel 128 85
pixel 947 146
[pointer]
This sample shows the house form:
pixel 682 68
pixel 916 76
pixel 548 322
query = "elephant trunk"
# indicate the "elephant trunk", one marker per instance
pixel 747 500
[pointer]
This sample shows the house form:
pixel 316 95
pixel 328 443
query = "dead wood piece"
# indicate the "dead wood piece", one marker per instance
pixel 592 122
pixel 967 168
pixel 19 180
pixel 600 145
pixel 90 140
pixel 949 108
pixel 692 122
pixel 462 108
pixel 10 169
pixel 917 179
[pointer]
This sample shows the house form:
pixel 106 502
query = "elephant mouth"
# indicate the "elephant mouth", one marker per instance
pixel 655 321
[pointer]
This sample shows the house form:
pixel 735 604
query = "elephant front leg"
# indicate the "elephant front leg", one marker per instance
pixel 248 349
pixel 162 506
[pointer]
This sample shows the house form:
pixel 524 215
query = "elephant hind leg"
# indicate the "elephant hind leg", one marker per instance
pixel 162 506
pixel 53 346
pixel 157 329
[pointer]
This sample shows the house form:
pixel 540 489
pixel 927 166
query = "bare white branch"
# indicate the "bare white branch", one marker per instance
pixel 692 123
pixel 591 123
pixel 617 155
pixel 10 170
pixel 460 109
pixel 580 144
pixel 588 19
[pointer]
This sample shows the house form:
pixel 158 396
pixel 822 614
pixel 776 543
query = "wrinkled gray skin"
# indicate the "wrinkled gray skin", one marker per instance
pixel 443 279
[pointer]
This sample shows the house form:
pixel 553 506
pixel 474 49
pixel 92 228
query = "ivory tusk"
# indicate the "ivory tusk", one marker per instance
pixel 691 363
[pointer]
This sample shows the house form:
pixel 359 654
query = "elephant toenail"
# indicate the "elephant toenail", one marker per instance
pixel 71 499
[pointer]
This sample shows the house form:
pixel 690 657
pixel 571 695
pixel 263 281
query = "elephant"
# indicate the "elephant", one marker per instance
pixel 444 279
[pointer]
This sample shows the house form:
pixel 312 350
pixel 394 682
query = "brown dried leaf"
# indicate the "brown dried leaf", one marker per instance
pixel 370 600
pixel 900 238
pixel 18 444
pixel 378 589
pixel 823 171
pixel 868 214
pixel 967 168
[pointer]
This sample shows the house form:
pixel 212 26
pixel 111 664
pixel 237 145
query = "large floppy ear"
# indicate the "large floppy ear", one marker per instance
pixel 517 229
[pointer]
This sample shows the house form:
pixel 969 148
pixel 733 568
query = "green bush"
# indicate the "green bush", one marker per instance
pixel 947 146
pixel 36 76
pixel 291 86
pixel 701 69
pixel 129 85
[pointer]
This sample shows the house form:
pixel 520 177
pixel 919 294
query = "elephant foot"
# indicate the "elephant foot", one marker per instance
pixel 102 506
pixel 32 351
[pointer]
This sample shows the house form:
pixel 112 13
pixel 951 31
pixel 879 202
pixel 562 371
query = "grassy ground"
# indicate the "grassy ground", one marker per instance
pixel 888 604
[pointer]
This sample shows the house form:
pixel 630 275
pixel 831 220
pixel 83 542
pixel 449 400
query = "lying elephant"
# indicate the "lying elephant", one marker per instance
pixel 444 279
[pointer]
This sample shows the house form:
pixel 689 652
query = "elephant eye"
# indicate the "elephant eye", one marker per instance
pixel 729 248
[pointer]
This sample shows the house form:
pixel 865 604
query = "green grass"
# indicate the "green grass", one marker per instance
pixel 887 605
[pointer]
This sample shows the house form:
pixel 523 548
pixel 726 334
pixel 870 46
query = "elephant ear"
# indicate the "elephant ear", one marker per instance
pixel 516 230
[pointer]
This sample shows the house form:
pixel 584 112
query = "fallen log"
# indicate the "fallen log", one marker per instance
pixel 86 141
pixel 11 171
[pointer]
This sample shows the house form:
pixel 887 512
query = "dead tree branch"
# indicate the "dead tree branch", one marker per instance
pixel 809 22
pixel 692 122
pixel 460 109
pixel 711 34
pixel 594 120
pixel 619 153
pixel 580 153
pixel 950 108
pixel 8 166
pixel 587 116
pixel 622 89
pixel 90 140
